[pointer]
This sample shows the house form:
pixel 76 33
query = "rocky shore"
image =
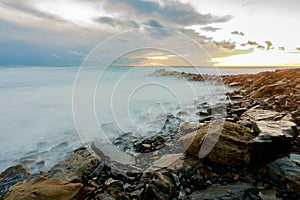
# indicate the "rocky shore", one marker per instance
pixel 255 155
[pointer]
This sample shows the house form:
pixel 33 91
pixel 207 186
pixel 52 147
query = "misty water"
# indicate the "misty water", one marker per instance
pixel 37 126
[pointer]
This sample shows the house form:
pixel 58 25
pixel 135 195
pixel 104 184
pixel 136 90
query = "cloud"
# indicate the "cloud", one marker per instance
pixel 172 12
pixel 237 33
pixel 269 45
pixel 281 48
pixel 226 44
pixel 118 23
pixel 210 29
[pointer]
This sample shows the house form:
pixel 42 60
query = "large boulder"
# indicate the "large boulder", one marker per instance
pixel 74 168
pixel 46 189
pixel 231 143
pixel 11 176
pixel 285 172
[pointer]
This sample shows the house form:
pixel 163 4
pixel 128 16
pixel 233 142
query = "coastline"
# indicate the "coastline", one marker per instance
pixel 265 110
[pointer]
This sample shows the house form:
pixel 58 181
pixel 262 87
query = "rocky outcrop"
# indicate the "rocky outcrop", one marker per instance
pixel 277 90
pixel 231 144
pixel 75 168
pixel 46 189
pixel 11 176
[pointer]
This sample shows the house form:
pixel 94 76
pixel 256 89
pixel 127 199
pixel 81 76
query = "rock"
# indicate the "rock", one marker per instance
pixel 232 191
pixel 187 127
pixel 17 170
pixel 46 189
pixel 198 181
pixel 11 176
pixel 274 139
pixel 280 128
pixel 149 144
pixel 245 104
pixel 113 189
pixel 236 97
pixel 258 114
pixel 230 143
pixel 159 188
pixel 238 112
pixel 295 158
pixel 167 160
pixel 285 172
pixel 268 195
pixel 75 168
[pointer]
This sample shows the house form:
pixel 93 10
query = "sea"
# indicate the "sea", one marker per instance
pixel 46 112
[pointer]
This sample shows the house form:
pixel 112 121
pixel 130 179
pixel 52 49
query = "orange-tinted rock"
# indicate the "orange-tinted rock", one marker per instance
pixel 46 189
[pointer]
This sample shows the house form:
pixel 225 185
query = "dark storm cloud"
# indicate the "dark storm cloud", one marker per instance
pixel 173 12
pixel 210 29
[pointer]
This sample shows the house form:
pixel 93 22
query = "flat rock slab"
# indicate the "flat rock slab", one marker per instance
pixel 276 128
pixel 232 191
pixel 258 115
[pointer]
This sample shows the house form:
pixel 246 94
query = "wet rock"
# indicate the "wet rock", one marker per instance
pixel 15 171
pixel 232 191
pixel 150 144
pixel 159 188
pixel 198 181
pixel 284 172
pixel 113 189
pixel 268 195
pixel 74 168
pixel 228 143
pixel 295 158
pixel 46 189
pixel 11 176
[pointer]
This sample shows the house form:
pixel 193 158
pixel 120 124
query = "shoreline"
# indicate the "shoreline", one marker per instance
pixel 264 109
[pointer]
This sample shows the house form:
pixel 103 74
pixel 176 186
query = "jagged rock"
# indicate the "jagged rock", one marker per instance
pixel 11 176
pixel 285 172
pixel 159 188
pixel 74 168
pixel 230 143
pixel 232 191
pixel 46 189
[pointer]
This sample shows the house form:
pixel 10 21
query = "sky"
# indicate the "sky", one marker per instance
pixel 230 32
